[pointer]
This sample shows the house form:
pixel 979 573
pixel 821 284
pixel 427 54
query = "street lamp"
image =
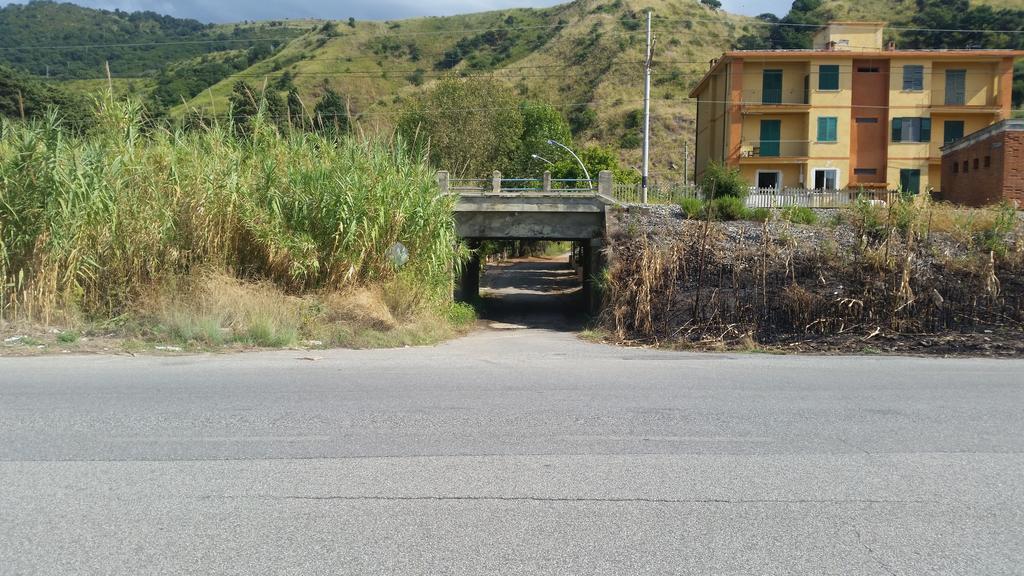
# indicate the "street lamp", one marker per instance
pixel 542 159
pixel 569 150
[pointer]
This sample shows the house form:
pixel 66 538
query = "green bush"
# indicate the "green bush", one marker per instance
pixel 729 208
pixel 799 215
pixel 692 207
pixel 720 180
pixel 630 140
pixel 461 314
pixel 759 214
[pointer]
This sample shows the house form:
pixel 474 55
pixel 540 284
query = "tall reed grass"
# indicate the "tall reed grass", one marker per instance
pixel 89 224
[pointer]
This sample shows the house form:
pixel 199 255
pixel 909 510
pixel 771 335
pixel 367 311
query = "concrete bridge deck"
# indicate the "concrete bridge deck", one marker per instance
pixel 520 209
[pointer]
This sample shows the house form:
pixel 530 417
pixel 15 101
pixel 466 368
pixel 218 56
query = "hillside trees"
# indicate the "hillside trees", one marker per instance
pixel 136 43
pixel 331 113
pixel 22 95
pixel 469 126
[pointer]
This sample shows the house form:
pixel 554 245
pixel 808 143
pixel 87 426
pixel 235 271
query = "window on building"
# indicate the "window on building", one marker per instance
pixel 827 129
pixel 911 129
pixel 865 171
pixel 913 77
pixel 956 167
pixel 867 69
pixel 975 163
pixel 826 179
pixel 966 167
pixel 956 87
pixel 771 87
pixel 828 77
pixel 769 179
pixel 988 161
pixel 910 180
pixel 952 130
pixel 866 120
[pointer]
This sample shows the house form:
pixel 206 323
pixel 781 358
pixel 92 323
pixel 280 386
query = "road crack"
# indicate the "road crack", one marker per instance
pixel 872 554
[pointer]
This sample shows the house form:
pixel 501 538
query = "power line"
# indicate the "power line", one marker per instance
pixel 559 25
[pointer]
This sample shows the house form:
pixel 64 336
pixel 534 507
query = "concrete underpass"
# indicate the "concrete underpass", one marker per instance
pixel 524 291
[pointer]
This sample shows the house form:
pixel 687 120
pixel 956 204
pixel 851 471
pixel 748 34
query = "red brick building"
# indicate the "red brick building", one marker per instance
pixel 985 167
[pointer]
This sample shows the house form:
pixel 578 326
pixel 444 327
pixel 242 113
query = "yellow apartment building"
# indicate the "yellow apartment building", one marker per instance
pixel 848 113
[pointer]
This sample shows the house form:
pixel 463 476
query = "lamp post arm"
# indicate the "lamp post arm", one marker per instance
pixel 569 150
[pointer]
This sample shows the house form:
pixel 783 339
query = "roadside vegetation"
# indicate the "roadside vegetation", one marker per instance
pixel 910 276
pixel 216 236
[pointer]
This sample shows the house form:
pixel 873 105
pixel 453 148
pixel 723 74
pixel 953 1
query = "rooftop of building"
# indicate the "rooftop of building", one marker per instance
pixel 1010 125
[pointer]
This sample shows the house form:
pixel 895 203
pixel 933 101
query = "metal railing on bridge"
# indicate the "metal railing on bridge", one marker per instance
pixel 497 184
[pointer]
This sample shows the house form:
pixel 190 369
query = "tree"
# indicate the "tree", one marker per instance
pixel 581 120
pixel 541 122
pixel 296 110
pixel 469 126
pixel 596 159
pixel 713 4
pixel 22 94
pixel 331 114
pixel 244 106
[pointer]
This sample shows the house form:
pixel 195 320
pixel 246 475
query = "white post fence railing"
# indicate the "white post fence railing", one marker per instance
pixel 756 198
pixel 497 184
pixel 656 193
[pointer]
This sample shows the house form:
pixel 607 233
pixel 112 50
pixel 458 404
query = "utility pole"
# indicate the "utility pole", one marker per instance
pixel 686 162
pixel 647 110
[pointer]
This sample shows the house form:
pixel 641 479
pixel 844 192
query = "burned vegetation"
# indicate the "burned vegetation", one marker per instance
pixel 908 277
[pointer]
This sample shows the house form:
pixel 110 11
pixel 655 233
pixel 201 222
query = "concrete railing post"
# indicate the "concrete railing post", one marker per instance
pixel 443 182
pixel 496 182
pixel 604 183
pixel 547 181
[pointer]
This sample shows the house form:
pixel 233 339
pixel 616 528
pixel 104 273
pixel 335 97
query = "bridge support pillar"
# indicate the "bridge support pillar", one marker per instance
pixel 469 283
pixel 593 267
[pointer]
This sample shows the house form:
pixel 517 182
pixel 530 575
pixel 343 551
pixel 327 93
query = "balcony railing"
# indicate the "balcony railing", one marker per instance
pixel 782 97
pixel 774 149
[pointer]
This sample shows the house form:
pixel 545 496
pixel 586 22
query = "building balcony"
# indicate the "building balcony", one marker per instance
pixel 965 109
pixel 766 151
pixel 776 102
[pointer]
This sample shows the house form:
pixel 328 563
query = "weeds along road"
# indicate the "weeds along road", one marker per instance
pixel 525 452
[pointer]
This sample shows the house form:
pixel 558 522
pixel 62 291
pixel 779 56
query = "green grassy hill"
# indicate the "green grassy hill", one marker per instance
pixel 585 55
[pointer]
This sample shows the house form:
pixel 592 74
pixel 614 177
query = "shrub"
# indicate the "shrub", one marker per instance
pixel 993 237
pixel 799 215
pixel 630 140
pixel 729 208
pixel 692 207
pixel 759 214
pixel 721 180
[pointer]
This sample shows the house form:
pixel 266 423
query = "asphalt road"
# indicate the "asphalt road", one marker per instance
pixel 511 452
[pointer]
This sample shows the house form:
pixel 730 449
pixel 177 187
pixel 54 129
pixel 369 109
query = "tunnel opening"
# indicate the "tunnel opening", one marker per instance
pixel 543 287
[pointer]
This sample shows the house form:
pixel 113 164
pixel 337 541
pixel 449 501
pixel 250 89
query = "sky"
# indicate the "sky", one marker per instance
pixel 238 10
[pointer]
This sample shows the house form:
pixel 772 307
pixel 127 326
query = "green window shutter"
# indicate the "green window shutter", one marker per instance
pixel 910 180
pixel 827 129
pixel 771 87
pixel 897 132
pixel 926 130
pixel 828 77
pixel 952 130
pixel 956 87
pixel 913 77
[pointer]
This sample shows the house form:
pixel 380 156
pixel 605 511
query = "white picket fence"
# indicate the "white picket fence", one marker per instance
pixel 757 198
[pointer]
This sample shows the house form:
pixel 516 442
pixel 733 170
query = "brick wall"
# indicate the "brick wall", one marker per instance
pixel 974 183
